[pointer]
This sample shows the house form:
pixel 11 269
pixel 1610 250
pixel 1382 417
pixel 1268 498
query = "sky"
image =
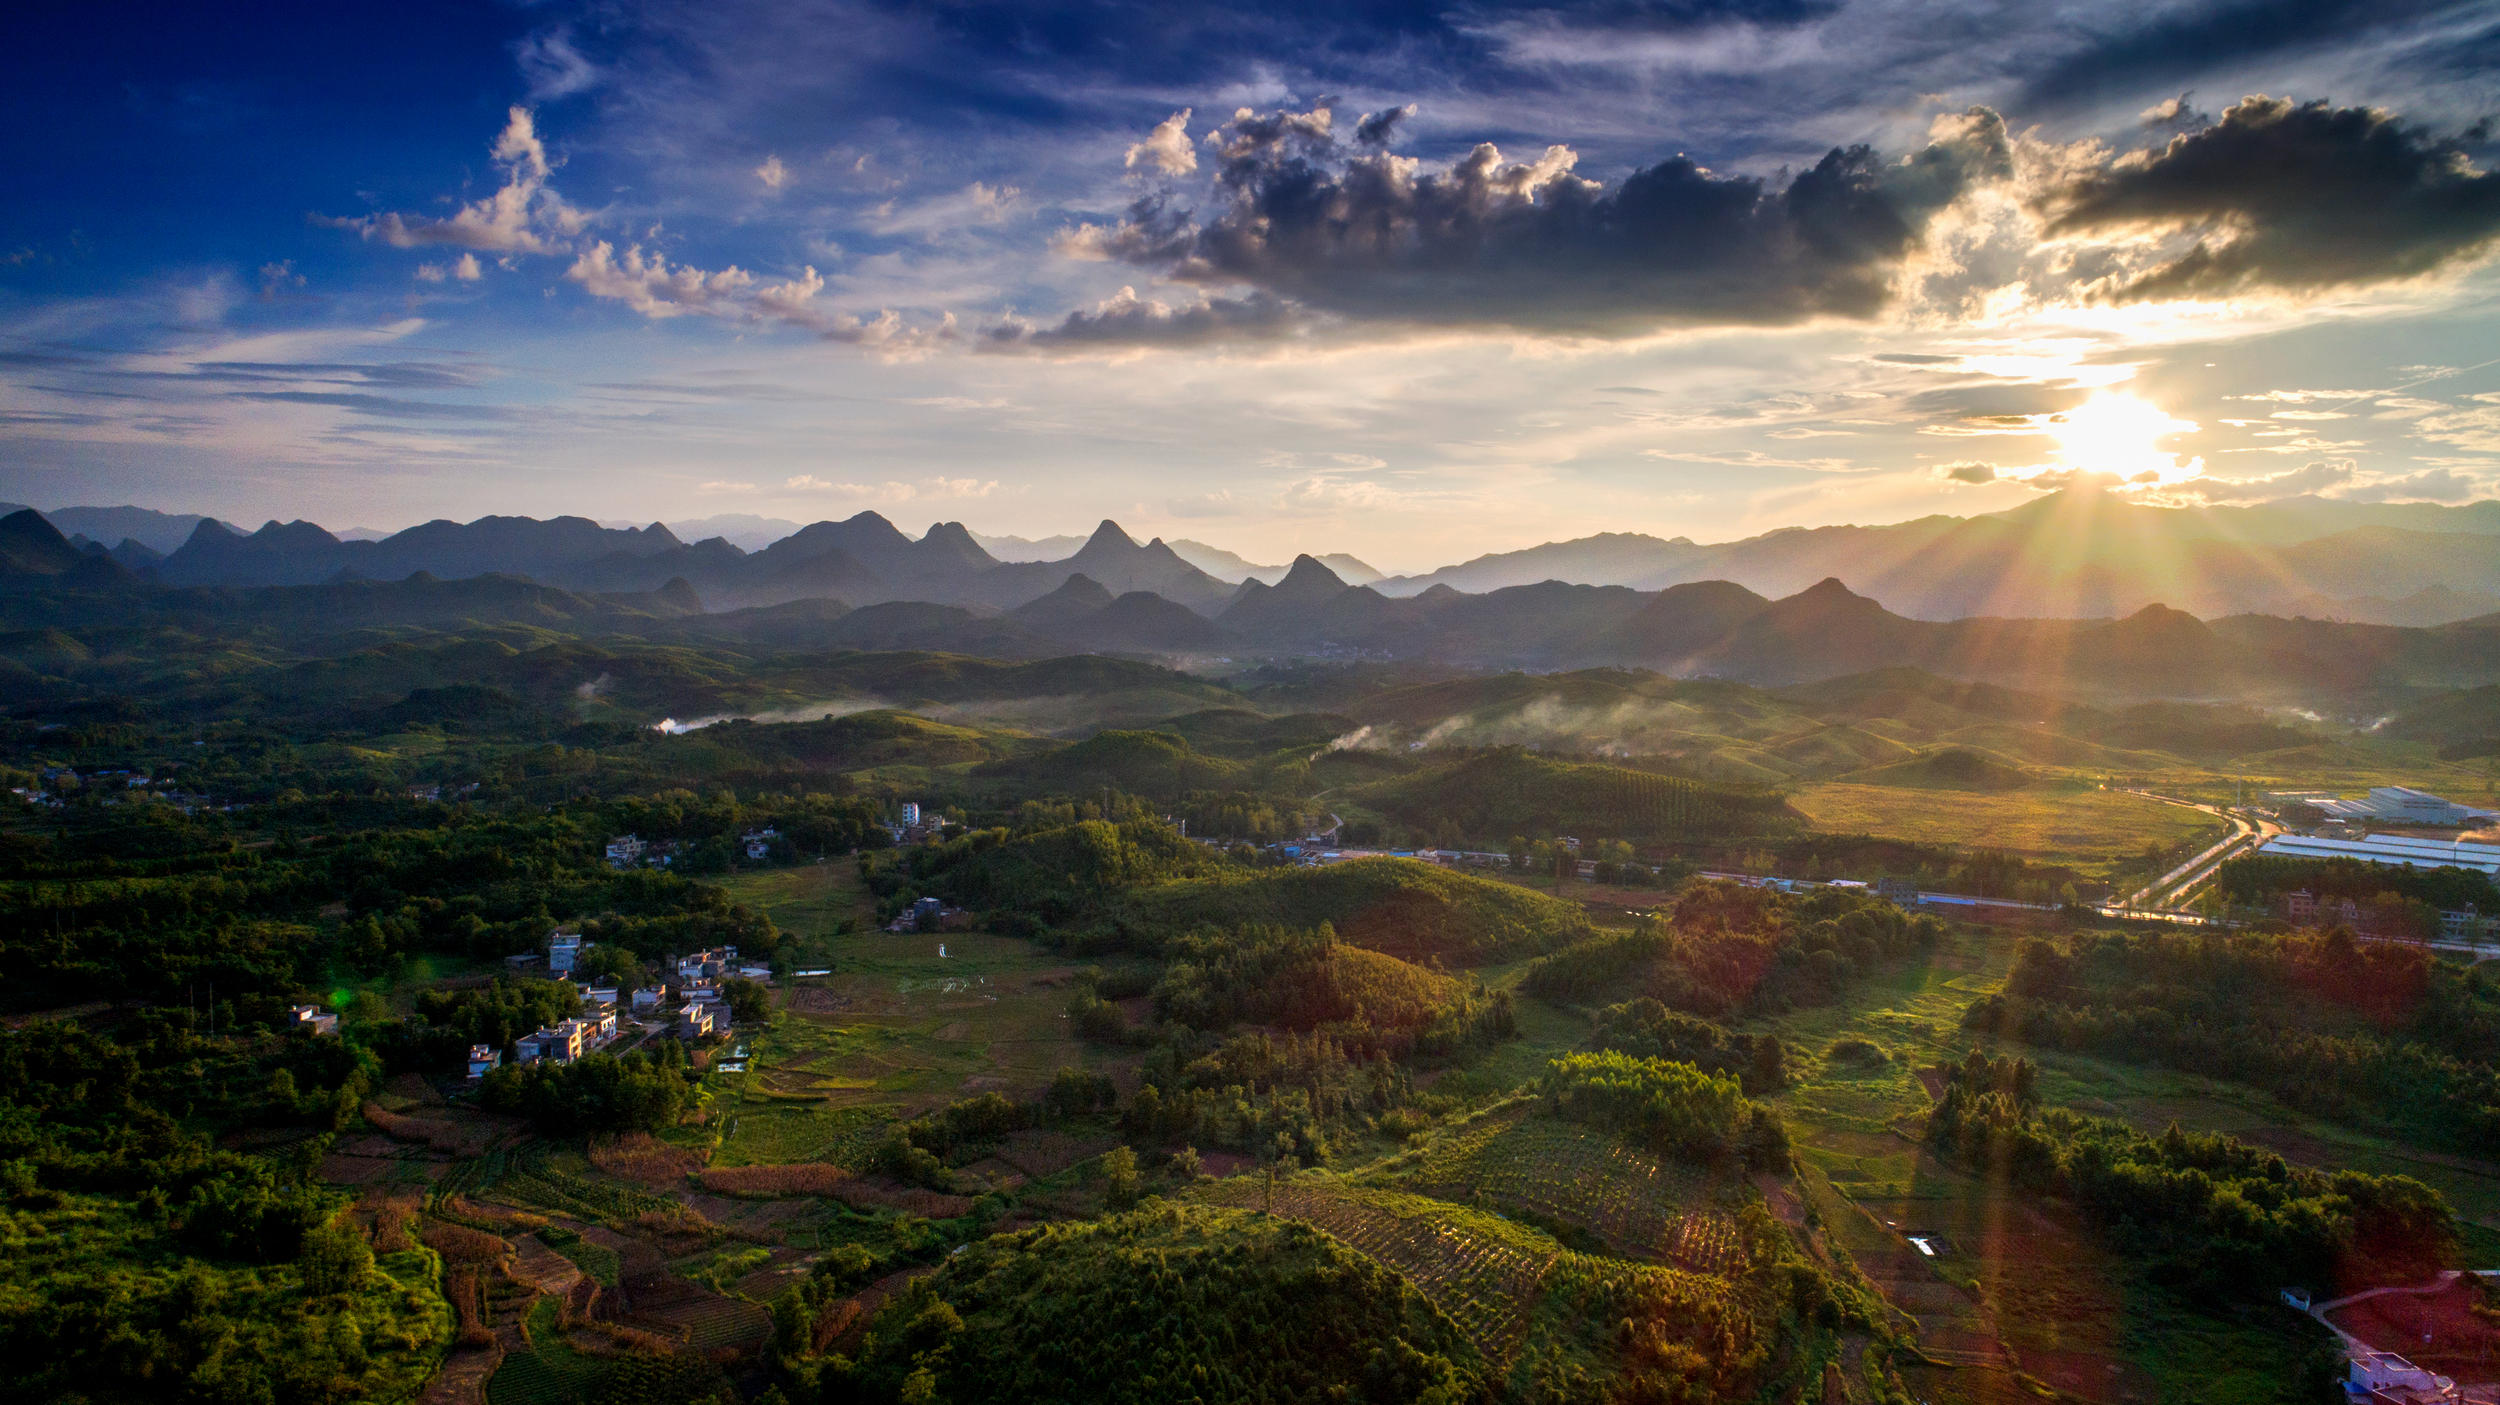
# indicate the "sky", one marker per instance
pixel 1413 281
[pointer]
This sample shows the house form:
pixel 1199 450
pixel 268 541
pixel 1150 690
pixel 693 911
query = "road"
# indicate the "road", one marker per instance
pixel 2189 876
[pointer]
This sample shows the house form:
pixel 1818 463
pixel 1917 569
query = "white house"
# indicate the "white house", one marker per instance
pixel 2383 1375
pixel 557 1043
pixel 695 1021
pixel 625 851
pixel 310 1019
pixel 563 950
pixel 484 1059
pixel 759 842
pixel 648 998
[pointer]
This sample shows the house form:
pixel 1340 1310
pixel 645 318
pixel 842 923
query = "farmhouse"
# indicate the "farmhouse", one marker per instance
pixel 484 1059
pixel 558 1043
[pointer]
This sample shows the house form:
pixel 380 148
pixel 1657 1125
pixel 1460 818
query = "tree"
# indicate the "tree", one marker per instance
pixel 334 1260
pixel 1119 1178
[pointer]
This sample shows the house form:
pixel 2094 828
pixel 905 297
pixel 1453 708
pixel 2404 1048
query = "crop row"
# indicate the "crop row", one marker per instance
pixel 1483 1284
pixel 536 1181
pixel 1635 1201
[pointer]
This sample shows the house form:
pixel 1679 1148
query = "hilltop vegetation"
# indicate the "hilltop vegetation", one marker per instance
pixel 1508 791
pixel 1151 1108
pixel 1164 1303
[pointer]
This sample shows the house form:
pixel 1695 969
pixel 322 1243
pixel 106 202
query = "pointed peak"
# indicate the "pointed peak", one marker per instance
pixel 1828 588
pixel 1110 534
pixel 1307 573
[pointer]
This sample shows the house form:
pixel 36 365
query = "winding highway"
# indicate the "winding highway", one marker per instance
pixel 2185 879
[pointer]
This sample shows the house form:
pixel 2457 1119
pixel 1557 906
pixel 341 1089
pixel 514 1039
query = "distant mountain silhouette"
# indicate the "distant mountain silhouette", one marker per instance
pixel 2071 554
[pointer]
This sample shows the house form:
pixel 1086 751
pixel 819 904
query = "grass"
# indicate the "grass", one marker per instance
pixel 2026 1302
pixel 896 1030
pixel 809 902
pixel 2092 831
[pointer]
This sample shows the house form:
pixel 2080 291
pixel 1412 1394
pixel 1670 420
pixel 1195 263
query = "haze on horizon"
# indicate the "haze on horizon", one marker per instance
pixel 1411 282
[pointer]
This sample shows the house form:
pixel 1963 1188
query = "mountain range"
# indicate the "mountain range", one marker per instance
pixel 1115 596
pixel 2074 554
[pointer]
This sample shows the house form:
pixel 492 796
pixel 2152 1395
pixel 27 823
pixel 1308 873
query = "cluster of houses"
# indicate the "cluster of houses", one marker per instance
pixel 697 1010
pixel 929 915
pixel 634 851
pixel 911 826
pixel 59 783
pixel 437 791
pixel 2306 909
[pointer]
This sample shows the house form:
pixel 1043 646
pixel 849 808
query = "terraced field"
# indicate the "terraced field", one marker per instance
pixel 538 1178
pixel 1483 1274
pixel 1643 1206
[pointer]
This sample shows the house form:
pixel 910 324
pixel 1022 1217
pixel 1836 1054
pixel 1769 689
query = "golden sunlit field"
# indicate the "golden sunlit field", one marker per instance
pixel 2089 830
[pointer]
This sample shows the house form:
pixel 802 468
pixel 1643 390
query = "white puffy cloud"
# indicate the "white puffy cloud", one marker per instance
pixel 465 268
pixel 1166 149
pixel 772 173
pixel 521 217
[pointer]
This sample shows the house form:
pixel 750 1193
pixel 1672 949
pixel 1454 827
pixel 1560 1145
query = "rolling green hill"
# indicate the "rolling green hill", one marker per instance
pixel 1408 909
pixel 1507 791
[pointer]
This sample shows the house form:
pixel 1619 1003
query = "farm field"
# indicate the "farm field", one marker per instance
pixel 2020 1295
pixel 897 1029
pixel 1640 1205
pixel 811 902
pixel 2089 830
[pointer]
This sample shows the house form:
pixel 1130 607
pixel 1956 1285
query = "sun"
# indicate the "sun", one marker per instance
pixel 2121 435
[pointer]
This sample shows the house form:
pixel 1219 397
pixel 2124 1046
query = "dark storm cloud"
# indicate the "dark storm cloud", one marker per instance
pixel 1492 242
pixel 1379 127
pixel 2199 38
pixel 2289 197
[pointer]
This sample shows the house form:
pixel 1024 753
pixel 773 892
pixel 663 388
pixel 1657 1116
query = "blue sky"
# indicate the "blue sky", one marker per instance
pixel 1413 281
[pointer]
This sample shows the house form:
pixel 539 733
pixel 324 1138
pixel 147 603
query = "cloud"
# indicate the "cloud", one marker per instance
pixel 2430 485
pixel 1752 458
pixel 2173 112
pixel 1166 149
pixel 382 406
pixel 279 279
pixel 522 217
pixel 2285 197
pixel 2476 428
pixel 722 486
pixel 895 489
pixel 552 67
pixel 1489 242
pixel 772 173
pixel 2315 477
pixel 1318 495
pixel 1128 320
pixel 1380 127
pixel 466 269
pixel 656 288
pixel 1970 471
pixel 2193 39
